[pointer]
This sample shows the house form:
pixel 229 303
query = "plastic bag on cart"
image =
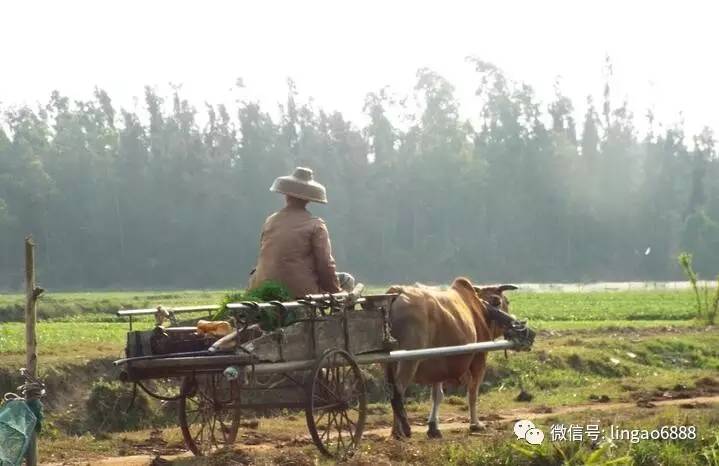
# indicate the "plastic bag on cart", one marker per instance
pixel 17 422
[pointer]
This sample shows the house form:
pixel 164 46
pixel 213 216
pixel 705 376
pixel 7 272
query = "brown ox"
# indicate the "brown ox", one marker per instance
pixel 424 317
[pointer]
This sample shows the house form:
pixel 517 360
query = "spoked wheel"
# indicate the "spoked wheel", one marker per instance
pixel 337 404
pixel 209 412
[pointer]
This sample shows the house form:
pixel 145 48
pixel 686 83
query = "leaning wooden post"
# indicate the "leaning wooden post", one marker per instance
pixel 32 292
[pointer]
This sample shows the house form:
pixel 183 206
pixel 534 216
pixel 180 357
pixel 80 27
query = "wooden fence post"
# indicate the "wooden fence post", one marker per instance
pixel 32 292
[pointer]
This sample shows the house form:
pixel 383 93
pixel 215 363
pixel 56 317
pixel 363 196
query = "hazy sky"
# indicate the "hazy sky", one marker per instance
pixel 664 53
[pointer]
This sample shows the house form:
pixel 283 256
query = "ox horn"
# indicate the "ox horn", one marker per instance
pixel 502 288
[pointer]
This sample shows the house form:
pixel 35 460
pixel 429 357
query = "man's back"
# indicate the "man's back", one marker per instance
pixel 295 250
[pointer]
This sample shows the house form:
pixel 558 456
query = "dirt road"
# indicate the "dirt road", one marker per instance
pixel 508 416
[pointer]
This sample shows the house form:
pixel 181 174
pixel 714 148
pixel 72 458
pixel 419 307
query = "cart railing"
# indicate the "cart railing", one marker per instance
pixel 180 309
pixel 311 299
pixel 309 302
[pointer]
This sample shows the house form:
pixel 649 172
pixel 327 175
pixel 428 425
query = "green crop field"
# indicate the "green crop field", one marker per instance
pixel 552 306
pixel 99 306
pixel 85 323
pixel 77 323
pixel 71 338
pixel 610 305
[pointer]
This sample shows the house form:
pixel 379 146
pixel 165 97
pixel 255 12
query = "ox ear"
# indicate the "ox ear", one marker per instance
pixel 503 288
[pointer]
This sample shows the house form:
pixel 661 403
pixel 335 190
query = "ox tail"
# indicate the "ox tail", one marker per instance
pixel 397 400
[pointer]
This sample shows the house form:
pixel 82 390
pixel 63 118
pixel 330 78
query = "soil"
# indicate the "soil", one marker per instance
pixel 155 453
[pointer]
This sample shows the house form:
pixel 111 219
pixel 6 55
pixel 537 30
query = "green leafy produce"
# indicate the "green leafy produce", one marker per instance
pixel 269 319
pixel 269 290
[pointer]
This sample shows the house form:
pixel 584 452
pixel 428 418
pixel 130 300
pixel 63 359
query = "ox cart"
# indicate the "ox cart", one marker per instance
pixel 313 365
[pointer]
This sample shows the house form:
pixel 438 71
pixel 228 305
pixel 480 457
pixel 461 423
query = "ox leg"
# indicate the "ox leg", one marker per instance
pixel 433 421
pixel 399 376
pixel 472 393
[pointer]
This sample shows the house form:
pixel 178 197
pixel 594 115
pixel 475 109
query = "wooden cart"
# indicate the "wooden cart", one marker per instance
pixel 311 365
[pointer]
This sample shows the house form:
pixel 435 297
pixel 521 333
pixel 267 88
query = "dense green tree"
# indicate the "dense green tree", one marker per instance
pixel 169 196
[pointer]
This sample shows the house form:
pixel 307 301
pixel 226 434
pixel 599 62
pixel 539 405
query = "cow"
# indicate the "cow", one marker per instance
pixel 425 317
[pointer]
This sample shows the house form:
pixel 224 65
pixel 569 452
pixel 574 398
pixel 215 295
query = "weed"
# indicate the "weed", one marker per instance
pixel 706 309
pixel 378 408
pixel 710 453
pixel 456 401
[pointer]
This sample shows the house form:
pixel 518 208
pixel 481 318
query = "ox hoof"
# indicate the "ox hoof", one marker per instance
pixel 433 431
pixel 479 427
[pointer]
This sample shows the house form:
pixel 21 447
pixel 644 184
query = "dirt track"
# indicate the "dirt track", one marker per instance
pixel 508 416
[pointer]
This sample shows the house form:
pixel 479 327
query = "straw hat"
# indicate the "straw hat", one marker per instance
pixel 300 184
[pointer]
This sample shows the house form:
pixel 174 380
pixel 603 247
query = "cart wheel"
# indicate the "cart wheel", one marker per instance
pixel 209 412
pixel 337 404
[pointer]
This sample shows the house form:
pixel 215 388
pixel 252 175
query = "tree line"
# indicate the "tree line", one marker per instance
pixel 522 192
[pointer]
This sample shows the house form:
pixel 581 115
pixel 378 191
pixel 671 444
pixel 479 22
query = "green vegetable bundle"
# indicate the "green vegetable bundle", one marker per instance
pixel 268 319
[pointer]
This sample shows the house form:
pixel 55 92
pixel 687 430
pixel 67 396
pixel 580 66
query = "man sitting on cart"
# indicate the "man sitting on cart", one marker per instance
pixel 295 247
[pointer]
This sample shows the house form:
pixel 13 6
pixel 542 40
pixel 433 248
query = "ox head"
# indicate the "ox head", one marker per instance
pixel 494 296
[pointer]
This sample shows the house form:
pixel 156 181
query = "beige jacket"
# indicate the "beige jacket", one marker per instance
pixel 295 250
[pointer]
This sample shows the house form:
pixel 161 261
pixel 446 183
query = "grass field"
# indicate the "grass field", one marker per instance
pixel 621 346
pixel 99 306
pixel 83 324
pixel 551 306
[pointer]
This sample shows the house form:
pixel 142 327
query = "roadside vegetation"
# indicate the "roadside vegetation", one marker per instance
pixel 707 302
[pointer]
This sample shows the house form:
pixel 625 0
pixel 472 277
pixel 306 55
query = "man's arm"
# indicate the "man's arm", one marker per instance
pixel 324 262
pixel 251 282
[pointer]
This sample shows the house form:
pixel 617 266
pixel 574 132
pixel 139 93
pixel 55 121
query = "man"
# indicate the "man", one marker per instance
pixel 295 247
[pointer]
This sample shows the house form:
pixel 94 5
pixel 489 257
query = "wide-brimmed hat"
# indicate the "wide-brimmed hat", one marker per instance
pixel 300 185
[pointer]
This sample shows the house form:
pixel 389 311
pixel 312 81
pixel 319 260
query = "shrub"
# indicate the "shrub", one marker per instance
pixel 107 408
